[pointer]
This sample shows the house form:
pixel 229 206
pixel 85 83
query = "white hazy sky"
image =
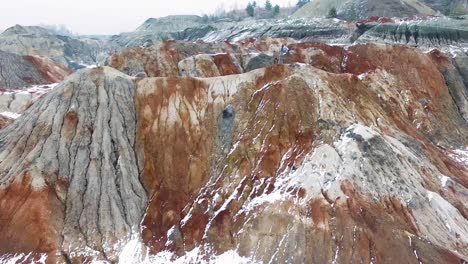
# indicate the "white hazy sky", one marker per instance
pixel 107 16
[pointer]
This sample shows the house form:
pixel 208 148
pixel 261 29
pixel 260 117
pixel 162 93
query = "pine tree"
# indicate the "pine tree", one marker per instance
pixel 250 9
pixel 301 3
pixel 268 5
pixel 332 13
pixel 276 10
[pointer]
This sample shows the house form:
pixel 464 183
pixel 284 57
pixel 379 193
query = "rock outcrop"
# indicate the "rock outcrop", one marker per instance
pixel 343 154
pixel 157 29
pixel 454 72
pixel 359 9
pixel 5 120
pixel 325 30
pixel 65 50
pixel 440 32
pixel 449 7
pixel 324 178
pixel 461 61
pixel 18 101
pixel 17 72
pixel 175 58
pixel 69 183
pixel 427 32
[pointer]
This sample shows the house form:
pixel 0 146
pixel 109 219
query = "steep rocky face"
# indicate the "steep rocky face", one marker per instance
pixel 157 29
pixel 428 32
pixel 356 9
pixel 456 7
pixel 328 174
pixel 176 58
pixel 325 30
pixel 461 62
pixel 69 182
pixel 454 73
pixel 64 50
pixel 18 72
pixel 170 59
pixel 343 154
pixel 372 26
pixel 5 120
pixel 16 102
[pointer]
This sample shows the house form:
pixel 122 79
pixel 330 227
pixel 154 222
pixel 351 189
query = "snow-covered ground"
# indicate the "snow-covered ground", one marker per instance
pixel 10 115
pixel 135 252
pixel 460 155
pixel 23 258
pixel 13 103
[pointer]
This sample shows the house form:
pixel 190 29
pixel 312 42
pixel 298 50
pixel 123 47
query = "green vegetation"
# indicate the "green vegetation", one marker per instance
pixel 250 9
pixel 268 11
pixel 276 10
pixel 268 5
pixel 332 13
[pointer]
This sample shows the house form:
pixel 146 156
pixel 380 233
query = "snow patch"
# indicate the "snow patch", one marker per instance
pixel 136 252
pixel 10 115
pixel 278 194
pixel 444 180
pixel 459 155
pixel 22 258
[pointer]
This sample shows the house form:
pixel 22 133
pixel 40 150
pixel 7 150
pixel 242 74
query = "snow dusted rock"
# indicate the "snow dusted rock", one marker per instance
pixel 5 100
pixel 192 28
pixel 461 61
pixel 198 66
pixel 157 29
pixel 176 58
pixel 65 50
pixel 69 182
pixel 425 32
pixel 345 154
pixel 17 71
pixel 338 172
pixel 456 78
pixel 356 9
pixel 163 59
pixel 25 79
pixel 323 30
pixel 262 60
pixel 51 71
pixel 5 119
pixel 19 100
pixel 205 65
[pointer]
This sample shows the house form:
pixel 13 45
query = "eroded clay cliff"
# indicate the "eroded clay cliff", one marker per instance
pixel 342 154
pixel 17 72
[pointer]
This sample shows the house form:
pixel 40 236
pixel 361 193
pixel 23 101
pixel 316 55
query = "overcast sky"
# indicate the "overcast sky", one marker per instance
pixel 107 16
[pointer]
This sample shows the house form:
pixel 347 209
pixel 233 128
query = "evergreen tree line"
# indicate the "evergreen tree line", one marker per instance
pixel 269 8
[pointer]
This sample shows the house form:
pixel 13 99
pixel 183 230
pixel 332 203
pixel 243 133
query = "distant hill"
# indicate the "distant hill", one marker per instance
pixel 358 9
pixel 156 29
pixel 17 71
pixel 192 28
pixel 65 50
